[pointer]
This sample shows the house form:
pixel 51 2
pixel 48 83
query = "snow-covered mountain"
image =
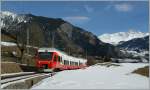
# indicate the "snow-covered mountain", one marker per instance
pixel 136 44
pixel 9 18
pixel 116 38
pixel 136 48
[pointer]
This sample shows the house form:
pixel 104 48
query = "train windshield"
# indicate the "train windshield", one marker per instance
pixel 45 55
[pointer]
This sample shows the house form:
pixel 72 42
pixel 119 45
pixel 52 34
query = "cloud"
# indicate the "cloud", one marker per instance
pixel 78 20
pixel 124 7
pixel 88 8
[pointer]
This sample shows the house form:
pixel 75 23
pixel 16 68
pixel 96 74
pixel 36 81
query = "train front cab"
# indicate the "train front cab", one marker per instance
pixel 47 61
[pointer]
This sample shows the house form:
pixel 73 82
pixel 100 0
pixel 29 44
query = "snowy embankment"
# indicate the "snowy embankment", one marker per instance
pixel 98 77
pixel 8 43
pixel 14 44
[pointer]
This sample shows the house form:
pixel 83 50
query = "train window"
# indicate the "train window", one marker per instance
pixel 65 62
pixel 73 63
pixel 70 63
pixel 62 61
pixel 59 59
pixel 76 63
pixel 55 58
pixel 45 55
pixel 80 63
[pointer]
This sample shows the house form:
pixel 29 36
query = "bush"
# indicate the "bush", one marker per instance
pixel 91 61
pixel 142 71
pixel 107 59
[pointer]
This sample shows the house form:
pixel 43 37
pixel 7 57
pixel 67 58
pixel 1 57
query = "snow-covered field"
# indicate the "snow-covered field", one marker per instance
pixel 97 77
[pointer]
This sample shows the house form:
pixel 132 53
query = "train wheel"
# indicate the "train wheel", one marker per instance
pixel 40 70
pixel 56 70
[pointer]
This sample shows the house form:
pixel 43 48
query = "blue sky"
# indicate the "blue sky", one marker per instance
pixel 97 17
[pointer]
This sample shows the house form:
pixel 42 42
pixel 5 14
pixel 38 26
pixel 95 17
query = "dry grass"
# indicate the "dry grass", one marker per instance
pixel 142 71
pixel 10 67
pixel 10 49
pixel 6 38
pixel 6 55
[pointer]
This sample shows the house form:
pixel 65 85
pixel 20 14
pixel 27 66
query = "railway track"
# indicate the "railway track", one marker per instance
pixel 12 78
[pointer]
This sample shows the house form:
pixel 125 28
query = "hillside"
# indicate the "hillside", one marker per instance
pixel 136 44
pixel 54 32
pixel 137 48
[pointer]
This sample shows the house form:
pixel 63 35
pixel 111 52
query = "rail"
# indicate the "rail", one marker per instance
pixel 12 78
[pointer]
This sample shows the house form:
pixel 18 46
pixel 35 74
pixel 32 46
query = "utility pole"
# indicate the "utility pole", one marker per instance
pixel 28 36
pixel 53 38
pixel 28 40
pixel 86 53
pixel 69 50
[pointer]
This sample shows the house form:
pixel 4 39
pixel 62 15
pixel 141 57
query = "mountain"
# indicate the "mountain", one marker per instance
pixel 137 44
pixel 136 48
pixel 7 18
pixel 54 32
pixel 120 37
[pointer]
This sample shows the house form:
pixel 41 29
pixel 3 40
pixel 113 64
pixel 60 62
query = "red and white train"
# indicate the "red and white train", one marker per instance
pixel 51 59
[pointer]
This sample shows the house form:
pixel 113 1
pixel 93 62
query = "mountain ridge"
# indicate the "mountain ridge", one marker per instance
pixel 119 37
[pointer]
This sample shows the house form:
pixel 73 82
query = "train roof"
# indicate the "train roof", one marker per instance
pixel 50 50
pixel 61 53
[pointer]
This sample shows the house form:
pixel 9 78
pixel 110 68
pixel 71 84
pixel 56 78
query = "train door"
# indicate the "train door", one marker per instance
pixel 60 60
pixel 55 60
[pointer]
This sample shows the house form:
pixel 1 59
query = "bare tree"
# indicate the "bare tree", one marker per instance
pixel 17 33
